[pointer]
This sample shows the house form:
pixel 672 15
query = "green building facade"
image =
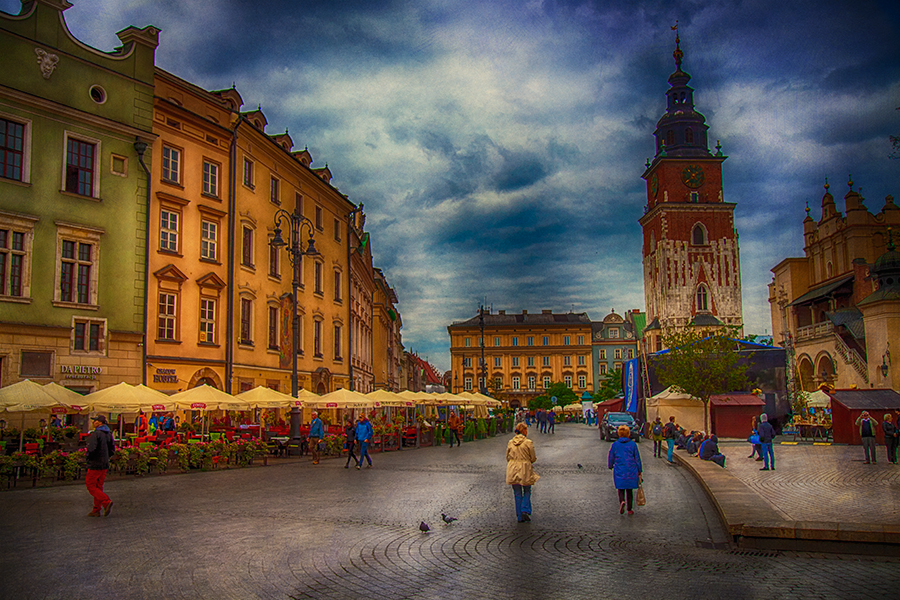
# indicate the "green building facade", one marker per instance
pixel 73 201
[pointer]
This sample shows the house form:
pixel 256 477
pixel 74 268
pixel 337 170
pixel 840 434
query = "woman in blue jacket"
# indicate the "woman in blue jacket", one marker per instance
pixel 625 461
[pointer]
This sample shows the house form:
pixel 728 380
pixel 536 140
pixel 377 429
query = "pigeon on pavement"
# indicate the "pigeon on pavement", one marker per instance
pixel 579 466
pixel 423 527
pixel 447 519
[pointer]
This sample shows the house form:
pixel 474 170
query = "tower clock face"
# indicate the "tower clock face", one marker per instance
pixel 654 184
pixel 692 176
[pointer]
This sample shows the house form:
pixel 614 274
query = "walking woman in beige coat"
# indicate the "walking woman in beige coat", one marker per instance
pixel 519 474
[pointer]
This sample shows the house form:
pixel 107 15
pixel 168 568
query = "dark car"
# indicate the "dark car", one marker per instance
pixel 610 423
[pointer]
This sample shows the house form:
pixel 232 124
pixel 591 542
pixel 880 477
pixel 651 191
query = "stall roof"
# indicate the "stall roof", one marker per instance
pixel 867 399
pixel 737 399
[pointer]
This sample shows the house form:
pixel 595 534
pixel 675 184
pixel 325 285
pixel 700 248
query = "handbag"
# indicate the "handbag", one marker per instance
pixel 641 499
pixel 753 439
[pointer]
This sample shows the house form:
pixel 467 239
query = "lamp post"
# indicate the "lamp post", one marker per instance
pixel 483 386
pixel 296 251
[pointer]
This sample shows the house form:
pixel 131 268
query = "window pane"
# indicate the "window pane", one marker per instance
pixel 84 283
pixel 67 274
pixel 95 336
pixel 79 336
pixel 11 144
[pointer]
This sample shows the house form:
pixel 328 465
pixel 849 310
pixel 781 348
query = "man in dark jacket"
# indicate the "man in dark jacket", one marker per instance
pixel 709 450
pixel 100 447
pixel 766 436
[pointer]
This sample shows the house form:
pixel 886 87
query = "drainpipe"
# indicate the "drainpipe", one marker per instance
pixel 140 147
pixel 229 311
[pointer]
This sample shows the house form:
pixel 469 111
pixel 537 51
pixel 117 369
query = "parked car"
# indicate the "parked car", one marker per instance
pixel 610 423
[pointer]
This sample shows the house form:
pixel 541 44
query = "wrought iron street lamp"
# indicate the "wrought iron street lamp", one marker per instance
pixel 296 249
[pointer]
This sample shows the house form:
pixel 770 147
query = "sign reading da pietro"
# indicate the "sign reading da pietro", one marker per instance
pixel 165 376
pixel 80 371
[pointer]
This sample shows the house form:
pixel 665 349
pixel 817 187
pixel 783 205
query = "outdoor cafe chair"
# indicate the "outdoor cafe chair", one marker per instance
pixel 409 435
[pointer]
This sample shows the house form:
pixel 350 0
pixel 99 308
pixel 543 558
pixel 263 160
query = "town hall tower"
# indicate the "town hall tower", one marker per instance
pixel 692 271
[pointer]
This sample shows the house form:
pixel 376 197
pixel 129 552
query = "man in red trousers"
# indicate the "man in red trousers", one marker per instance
pixel 100 447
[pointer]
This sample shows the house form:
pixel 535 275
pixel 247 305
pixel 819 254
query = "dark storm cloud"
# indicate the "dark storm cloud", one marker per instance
pixel 498 145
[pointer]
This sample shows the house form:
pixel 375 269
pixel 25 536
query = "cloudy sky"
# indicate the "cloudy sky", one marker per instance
pixel 498 145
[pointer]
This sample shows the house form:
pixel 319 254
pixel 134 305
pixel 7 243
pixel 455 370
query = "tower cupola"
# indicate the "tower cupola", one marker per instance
pixel 681 131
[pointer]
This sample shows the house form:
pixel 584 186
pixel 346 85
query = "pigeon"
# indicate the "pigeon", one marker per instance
pixel 580 467
pixel 423 527
pixel 447 519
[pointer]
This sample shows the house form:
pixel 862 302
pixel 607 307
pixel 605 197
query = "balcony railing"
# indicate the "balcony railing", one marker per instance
pixel 816 330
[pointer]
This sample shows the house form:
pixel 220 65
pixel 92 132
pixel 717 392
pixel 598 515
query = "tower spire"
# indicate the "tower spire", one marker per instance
pixel 678 55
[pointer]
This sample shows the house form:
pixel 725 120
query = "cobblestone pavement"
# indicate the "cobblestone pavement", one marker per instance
pixel 822 483
pixel 298 531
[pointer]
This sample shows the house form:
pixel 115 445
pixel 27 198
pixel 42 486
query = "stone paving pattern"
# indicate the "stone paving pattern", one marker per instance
pixel 299 531
pixel 822 483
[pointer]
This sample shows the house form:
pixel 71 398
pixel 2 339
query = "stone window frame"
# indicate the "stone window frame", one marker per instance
pixel 164 318
pixel 273 321
pixel 176 155
pixel 702 297
pixel 203 320
pixel 704 235
pixel 275 190
pixel 246 320
pixel 210 187
pixel 24 224
pixel 25 167
pixel 95 167
pixel 73 232
pixel 86 324
pixel 249 173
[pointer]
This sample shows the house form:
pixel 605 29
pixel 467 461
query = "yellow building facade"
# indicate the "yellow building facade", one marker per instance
pixel 271 176
pixel 189 220
pixel 524 353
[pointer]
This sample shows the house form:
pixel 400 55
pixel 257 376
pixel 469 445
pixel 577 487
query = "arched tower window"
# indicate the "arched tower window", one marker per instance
pixel 829 270
pixel 698 235
pixel 702 298
pixel 670 138
pixel 689 135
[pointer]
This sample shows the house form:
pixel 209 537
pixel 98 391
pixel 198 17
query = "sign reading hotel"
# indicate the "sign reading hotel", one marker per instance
pixel 165 376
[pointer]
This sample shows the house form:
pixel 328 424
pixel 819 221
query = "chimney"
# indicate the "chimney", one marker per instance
pixel 547 312
pixel 524 312
pixel 501 312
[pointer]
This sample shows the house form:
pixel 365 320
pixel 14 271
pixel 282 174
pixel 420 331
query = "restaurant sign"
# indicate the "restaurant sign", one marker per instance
pixel 80 371
pixel 63 409
pixel 198 405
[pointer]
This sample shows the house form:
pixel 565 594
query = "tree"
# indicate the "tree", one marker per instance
pixel 609 387
pixel 563 393
pixel 702 363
